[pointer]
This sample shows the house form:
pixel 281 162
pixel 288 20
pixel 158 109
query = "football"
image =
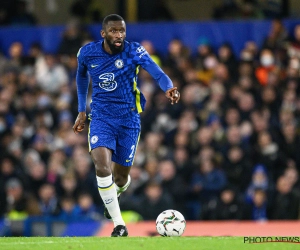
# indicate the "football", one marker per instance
pixel 170 223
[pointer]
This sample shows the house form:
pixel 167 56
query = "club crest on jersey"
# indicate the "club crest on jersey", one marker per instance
pixel 119 63
pixel 140 49
pixel 94 139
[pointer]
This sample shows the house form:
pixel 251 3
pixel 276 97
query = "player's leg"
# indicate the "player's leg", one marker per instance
pixel 122 181
pixel 102 159
pixel 102 145
pixel 123 158
pixel 121 177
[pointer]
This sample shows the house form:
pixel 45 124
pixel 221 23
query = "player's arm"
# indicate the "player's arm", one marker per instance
pixel 82 82
pixel 158 75
pixel 164 82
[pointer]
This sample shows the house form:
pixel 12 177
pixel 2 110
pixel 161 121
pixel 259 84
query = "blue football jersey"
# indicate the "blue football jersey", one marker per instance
pixel 114 78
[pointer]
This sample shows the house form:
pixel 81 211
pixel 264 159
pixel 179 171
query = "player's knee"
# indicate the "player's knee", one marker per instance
pixel 102 170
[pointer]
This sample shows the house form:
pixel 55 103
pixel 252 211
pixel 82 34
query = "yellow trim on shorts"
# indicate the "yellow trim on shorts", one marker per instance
pixel 136 147
pixel 90 149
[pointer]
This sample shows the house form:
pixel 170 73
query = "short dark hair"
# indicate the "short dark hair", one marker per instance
pixel 111 17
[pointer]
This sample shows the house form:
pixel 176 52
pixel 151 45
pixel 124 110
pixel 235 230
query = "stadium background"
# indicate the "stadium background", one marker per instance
pixel 228 151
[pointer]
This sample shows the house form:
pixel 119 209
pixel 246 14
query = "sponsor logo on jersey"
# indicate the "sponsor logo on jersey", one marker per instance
pixel 119 63
pixel 144 53
pixel 94 65
pixel 140 49
pixel 94 139
pixel 108 82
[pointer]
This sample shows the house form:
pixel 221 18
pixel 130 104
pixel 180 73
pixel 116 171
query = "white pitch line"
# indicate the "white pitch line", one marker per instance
pixel 34 242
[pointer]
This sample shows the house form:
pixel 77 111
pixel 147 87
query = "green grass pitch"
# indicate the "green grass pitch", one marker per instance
pixel 136 243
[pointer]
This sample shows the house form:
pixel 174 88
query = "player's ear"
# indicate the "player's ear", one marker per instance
pixel 102 33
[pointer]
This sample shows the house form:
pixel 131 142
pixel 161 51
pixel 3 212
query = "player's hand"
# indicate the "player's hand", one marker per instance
pixel 79 123
pixel 173 95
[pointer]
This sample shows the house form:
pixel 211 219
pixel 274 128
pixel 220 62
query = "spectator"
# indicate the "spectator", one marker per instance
pixel 259 180
pixel 68 210
pixel 292 175
pixel 86 208
pixel 184 166
pixel 172 184
pixel 207 181
pixel 16 57
pixel 233 138
pixel 226 56
pixel 232 117
pixel 290 142
pixel 286 201
pixel 237 169
pixel 203 138
pixel 19 204
pixel 204 49
pixel 270 102
pixel 258 206
pixel 246 104
pixel 177 52
pixel 154 201
pixel 277 36
pixel 270 156
pixel 293 47
pixel 225 207
pixel 37 176
pixel 48 202
pixel 72 40
pixel 21 15
pixel 66 186
pixel 53 76
pixel 85 177
pixel 206 73
pixel 267 66
pixel 9 169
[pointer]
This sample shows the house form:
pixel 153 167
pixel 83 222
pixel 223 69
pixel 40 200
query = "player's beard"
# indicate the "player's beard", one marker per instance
pixel 113 48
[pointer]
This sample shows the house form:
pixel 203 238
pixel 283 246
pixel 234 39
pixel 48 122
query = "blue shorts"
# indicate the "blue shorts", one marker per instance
pixel 119 135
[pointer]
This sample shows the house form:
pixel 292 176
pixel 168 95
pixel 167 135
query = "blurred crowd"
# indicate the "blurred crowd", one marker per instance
pixel 25 12
pixel 16 12
pixel 229 150
pixel 254 9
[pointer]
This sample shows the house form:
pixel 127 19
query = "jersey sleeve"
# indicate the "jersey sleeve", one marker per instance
pixel 141 57
pixel 82 81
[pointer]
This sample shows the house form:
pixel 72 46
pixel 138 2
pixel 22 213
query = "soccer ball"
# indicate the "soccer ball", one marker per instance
pixel 170 223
